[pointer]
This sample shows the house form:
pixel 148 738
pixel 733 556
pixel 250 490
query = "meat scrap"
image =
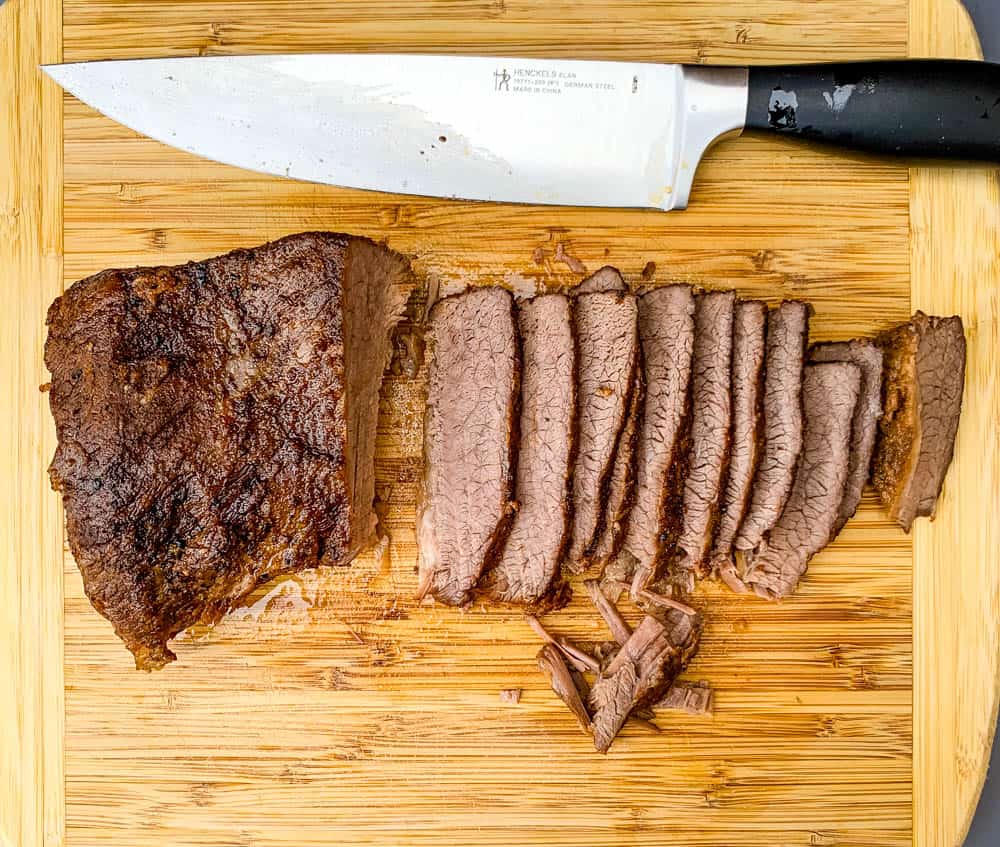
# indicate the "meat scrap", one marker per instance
pixel 830 394
pixel 868 357
pixel 711 415
pixel 693 698
pixel 608 611
pixel 528 570
pixel 749 334
pixel 510 695
pixel 641 672
pixel 924 377
pixel 608 355
pixel 666 329
pixel 787 333
pixel 216 424
pixel 552 664
pixel 470 438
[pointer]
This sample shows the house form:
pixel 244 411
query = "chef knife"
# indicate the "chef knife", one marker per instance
pixel 577 133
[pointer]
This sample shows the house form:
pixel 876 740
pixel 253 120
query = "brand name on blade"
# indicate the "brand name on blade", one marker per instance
pixel 527 80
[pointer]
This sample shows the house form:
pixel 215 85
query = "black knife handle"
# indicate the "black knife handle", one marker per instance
pixel 923 108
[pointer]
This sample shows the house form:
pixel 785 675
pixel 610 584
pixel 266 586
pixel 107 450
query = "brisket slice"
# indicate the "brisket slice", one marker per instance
pixel 527 571
pixel 868 357
pixel 830 393
pixel 924 377
pixel 216 424
pixel 787 333
pixel 608 351
pixel 666 327
pixel 621 487
pixel 711 417
pixel 641 672
pixel 749 333
pixel 470 437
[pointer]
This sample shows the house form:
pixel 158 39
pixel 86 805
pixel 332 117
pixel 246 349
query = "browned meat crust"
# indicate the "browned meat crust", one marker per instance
pixel 216 424
pixel 924 377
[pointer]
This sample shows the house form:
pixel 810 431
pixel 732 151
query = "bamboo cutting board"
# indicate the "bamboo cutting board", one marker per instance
pixel 334 710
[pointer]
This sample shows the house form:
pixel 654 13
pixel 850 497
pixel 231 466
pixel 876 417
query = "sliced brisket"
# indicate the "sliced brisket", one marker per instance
pixel 711 416
pixel 924 378
pixel 466 506
pixel 868 357
pixel 787 333
pixel 608 355
pixel 216 424
pixel 527 571
pixel 666 327
pixel 830 393
pixel 749 333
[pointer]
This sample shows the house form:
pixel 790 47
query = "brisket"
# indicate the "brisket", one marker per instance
pixel 641 672
pixel 923 382
pixel 528 569
pixel 749 332
pixel 830 394
pixel 787 333
pixel 216 424
pixel 466 507
pixel 608 351
pixel 868 357
pixel 666 327
pixel 711 416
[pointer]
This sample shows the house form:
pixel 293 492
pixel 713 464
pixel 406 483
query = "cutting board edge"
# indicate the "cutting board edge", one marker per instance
pixel 956 623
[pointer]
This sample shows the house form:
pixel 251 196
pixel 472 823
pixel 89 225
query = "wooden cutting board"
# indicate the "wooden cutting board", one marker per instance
pixel 334 710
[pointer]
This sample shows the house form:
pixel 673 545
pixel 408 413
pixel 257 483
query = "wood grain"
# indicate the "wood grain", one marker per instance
pixel 334 709
pixel 955 265
pixel 31 636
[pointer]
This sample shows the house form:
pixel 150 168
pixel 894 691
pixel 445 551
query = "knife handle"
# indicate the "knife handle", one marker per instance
pixel 934 108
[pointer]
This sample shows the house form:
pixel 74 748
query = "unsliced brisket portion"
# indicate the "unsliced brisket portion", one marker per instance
pixel 641 672
pixel 216 424
pixel 749 334
pixel 711 417
pixel 924 377
pixel 666 327
pixel 868 357
pixel 787 333
pixel 470 440
pixel 608 355
pixel 830 394
pixel 528 569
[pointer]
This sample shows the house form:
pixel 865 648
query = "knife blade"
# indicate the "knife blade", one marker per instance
pixel 576 133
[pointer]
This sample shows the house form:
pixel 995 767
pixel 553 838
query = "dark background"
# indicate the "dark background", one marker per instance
pixel 985 830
